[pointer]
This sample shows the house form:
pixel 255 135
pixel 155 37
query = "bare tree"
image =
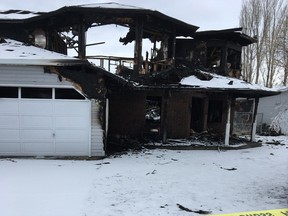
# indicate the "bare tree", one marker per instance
pixel 282 51
pixel 264 19
pixel 251 20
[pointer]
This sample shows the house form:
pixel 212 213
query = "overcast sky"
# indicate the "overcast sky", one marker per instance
pixel 207 14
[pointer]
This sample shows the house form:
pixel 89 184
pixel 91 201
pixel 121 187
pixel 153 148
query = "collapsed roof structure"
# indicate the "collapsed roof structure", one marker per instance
pixel 190 83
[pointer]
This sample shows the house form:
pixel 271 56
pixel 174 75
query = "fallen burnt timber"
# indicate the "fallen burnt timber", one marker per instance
pixel 197 141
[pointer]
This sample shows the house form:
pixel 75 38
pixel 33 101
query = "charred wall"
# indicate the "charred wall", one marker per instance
pixel 126 114
pixel 178 115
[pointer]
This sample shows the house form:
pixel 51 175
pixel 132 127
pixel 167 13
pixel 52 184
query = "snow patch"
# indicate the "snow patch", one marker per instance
pixel 148 182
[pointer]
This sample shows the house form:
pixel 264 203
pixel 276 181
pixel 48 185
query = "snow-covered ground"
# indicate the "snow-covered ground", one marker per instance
pixel 149 182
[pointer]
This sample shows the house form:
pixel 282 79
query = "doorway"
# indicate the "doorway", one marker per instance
pixel 197 115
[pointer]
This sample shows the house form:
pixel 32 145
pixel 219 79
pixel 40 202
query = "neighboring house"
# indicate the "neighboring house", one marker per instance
pixel 185 86
pixel 269 107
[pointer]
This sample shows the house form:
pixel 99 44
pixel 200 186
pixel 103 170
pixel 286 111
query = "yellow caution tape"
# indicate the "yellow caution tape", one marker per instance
pixel 274 212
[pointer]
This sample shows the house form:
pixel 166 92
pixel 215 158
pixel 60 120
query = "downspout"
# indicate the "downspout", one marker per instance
pixel 254 122
pixel 228 124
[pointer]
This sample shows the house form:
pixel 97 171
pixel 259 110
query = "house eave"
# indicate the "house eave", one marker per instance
pixel 40 62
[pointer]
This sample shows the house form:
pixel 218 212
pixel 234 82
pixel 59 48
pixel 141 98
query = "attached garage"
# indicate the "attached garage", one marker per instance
pixel 44 126
pixel 41 113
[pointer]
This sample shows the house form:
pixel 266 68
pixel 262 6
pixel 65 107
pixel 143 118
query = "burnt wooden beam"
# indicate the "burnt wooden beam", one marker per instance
pixel 138 45
pixel 205 113
pixel 223 62
pixel 82 40
pixel 172 47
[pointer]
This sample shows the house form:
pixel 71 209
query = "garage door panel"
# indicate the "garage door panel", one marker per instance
pixel 36 107
pixel 28 134
pixel 80 148
pixel 8 107
pixel 71 122
pixel 37 121
pixel 71 108
pixel 10 147
pixel 71 134
pixel 9 134
pixel 38 147
pixel 9 121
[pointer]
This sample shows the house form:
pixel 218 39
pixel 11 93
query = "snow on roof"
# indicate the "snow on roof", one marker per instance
pixel 18 14
pixel 25 14
pixel 110 5
pixel 283 89
pixel 17 53
pixel 221 82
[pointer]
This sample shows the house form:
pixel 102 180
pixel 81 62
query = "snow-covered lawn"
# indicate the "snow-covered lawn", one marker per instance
pixel 150 182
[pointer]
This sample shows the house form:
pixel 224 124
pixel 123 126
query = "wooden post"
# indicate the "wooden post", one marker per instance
pixel 223 63
pixel 172 47
pixel 82 40
pixel 227 132
pixel 254 122
pixel 138 45
pixel 205 113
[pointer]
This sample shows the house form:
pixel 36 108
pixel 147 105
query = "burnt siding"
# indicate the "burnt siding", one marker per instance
pixel 179 115
pixel 127 114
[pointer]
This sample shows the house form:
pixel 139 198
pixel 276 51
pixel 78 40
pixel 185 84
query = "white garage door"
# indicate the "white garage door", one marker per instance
pixel 44 127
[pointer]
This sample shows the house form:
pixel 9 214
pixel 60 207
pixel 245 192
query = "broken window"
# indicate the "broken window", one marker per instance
pixel 8 92
pixel 215 110
pixel 234 59
pixel 214 57
pixel 153 109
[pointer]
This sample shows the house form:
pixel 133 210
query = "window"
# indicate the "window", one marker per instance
pixel 68 94
pixel 8 92
pixel 45 93
pixel 153 109
pixel 214 56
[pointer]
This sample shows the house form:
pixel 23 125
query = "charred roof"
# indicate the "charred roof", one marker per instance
pixel 234 34
pixel 104 14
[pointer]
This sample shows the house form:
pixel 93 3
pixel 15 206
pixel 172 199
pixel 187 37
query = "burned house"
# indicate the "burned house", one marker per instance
pixel 183 86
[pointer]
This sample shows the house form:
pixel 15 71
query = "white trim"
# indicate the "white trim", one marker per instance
pixel 89 130
pixel 227 132
pixel 37 86
pixel 253 135
pixel 40 62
